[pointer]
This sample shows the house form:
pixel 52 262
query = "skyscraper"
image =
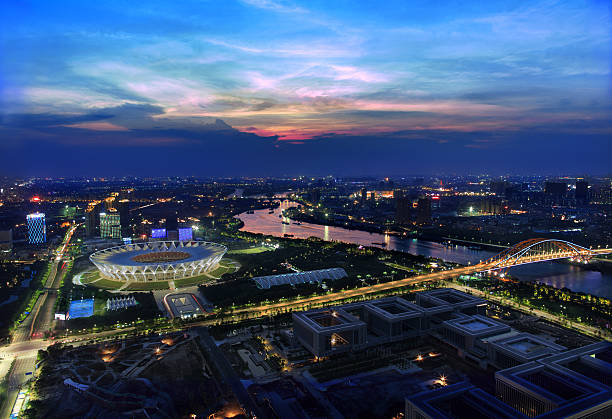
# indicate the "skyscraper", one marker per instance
pixel 363 194
pixel 37 229
pixel 123 207
pixel 424 211
pixel 403 210
pixel 582 191
pixel 6 239
pixel 110 225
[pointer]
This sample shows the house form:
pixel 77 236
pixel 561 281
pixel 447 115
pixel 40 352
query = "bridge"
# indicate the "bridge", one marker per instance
pixel 538 250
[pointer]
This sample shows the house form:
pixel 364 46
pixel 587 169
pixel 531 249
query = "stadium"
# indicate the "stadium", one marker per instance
pixel 157 261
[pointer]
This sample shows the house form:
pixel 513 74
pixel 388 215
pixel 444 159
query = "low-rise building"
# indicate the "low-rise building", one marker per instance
pixel 467 334
pixel 571 384
pixel 514 350
pixel 327 331
pixel 384 320
pixel 565 385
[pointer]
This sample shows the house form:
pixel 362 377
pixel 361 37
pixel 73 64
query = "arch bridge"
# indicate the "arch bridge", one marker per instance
pixel 538 250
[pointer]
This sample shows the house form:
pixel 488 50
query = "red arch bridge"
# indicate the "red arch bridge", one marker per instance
pixel 538 250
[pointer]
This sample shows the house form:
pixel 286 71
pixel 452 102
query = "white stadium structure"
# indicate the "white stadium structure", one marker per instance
pixel 158 261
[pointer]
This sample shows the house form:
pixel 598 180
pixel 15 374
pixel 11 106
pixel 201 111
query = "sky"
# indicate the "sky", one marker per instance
pixel 271 87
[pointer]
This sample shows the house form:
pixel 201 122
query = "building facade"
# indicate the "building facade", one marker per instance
pixel 37 228
pixel 110 225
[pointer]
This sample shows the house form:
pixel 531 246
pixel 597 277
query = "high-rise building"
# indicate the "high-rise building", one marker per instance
pixel 314 195
pixel 171 221
pixel 92 219
pixel 37 229
pixel 6 239
pixel 110 225
pixel 582 191
pixel 123 207
pixel 424 211
pixel 364 194
pixel 555 188
pixel 498 187
pixel 403 210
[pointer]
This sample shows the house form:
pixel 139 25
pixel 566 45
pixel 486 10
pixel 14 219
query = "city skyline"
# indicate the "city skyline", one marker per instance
pixel 281 88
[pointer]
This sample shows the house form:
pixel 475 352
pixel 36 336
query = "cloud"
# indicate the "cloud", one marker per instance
pixel 277 6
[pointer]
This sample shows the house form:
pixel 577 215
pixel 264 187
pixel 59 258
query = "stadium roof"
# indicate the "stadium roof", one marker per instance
pixel 299 277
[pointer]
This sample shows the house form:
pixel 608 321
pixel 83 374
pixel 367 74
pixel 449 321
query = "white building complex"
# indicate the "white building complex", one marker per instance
pixel 158 261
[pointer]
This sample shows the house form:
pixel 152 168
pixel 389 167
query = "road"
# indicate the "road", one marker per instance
pixel 23 348
pixel 229 375
pixel 580 327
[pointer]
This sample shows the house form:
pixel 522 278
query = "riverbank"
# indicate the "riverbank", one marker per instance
pixel 560 275
pixel 528 308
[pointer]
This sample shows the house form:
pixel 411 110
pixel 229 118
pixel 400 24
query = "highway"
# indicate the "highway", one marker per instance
pixel 23 348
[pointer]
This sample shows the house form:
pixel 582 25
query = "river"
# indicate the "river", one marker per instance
pixel 556 274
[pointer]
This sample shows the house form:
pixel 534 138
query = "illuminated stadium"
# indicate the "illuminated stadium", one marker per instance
pixel 158 261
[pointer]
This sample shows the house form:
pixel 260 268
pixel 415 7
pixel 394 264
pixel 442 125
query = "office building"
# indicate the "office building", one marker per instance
pixel 498 187
pixel 403 210
pixel 314 195
pixel 468 335
pixel 37 229
pixel 455 300
pixel 123 208
pixel 386 320
pixel 328 331
pixel 424 211
pixel 389 317
pixel 574 384
pixel 459 400
pixel 519 349
pixel 92 219
pixel 6 240
pixel 582 191
pixel 110 225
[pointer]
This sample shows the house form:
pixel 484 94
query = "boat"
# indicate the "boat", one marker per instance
pixel 271 212
pixel 383 244
pixel 250 212
pixel 287 235
pixel 285 222
pixel 297 224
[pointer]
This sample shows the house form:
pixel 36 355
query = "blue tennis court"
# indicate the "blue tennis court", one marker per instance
pixel 81 308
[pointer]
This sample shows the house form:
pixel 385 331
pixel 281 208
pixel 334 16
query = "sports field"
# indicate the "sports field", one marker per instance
pixel 81 308
pixel 93 278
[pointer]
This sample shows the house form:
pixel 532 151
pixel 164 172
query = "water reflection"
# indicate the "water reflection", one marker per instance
pixel 556 274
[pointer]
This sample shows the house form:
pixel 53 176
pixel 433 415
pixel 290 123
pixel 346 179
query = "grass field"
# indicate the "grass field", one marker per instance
pixel 250 250
pixel 107 284
pixel 147 286
pixel 196 280
pixel 88 277
pixel 99 306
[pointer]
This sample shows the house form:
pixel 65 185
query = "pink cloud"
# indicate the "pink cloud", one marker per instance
pixel 98 126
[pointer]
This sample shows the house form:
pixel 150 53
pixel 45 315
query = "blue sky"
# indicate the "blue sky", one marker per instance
pixel 465 77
